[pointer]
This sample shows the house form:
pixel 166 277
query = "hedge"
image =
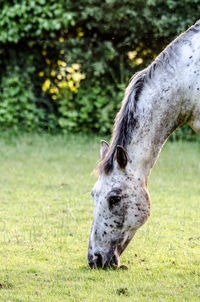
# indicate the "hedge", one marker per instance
pixel 64 64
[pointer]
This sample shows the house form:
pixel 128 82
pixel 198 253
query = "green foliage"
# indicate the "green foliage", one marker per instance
pixel 93 110
pixel 32 19
pixel 17 105
pixel 109 39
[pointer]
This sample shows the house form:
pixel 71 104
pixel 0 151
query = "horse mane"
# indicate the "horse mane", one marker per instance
pixel 125 120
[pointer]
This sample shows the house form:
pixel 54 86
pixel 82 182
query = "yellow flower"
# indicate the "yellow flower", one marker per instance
pixel 61 39
pixel 46 85
pixel 70 69
pixel 80 34
pixel 61 63
pixel 62 72
pixel 54 89
pixel 44 53
pixel 48 61
pixel 70 83
pixel 76 66
pixel 62 84
pixel 53 73
pixel 71 86
pixel 54 97
pixel 41 73
pixel 138 61
pixel 62 52
pixel 83 76
pixel 132 54
pixel 77 76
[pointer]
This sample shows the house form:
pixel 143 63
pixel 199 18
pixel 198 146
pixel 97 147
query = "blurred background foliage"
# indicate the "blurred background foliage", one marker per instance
pixel 64 64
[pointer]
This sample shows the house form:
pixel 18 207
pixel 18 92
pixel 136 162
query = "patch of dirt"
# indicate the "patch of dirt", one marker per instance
pixel 6 285
pixel 123 291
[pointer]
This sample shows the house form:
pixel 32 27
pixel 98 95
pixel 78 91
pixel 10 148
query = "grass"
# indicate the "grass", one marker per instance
pixel 46 213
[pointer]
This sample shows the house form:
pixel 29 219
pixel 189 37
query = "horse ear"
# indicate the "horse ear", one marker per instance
pixel 103 149
pixel 121 157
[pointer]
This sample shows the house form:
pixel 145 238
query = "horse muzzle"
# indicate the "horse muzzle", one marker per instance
pixel 100 260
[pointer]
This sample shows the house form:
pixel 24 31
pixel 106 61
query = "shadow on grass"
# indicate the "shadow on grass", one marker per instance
pixel 86 269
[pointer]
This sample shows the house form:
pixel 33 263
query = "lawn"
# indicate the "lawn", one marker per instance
pixel 46 214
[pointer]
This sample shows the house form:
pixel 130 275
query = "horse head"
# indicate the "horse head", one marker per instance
pixel 121 206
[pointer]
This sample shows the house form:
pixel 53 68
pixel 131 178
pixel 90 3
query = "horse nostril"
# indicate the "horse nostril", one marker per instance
pixel 91 264
pixel 98 259
pixel 95 260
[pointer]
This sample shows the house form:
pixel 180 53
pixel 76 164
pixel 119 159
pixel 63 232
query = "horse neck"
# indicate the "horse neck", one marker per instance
pixel 167 100
pixel 159 112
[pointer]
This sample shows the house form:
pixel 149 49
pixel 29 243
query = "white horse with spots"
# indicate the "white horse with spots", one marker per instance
pixel 158 100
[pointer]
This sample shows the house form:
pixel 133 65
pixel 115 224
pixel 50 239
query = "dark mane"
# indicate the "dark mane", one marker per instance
pixel 125 120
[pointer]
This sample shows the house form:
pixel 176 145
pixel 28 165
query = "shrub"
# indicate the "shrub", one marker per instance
pixel 17 101
pixel 110 40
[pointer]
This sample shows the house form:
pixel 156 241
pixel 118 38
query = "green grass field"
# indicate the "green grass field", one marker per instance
pixel 46 214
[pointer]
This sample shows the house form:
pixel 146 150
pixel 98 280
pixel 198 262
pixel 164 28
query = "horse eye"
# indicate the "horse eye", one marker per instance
pixel 114 200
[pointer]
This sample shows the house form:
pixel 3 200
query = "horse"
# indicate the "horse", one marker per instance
pixel 157 100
